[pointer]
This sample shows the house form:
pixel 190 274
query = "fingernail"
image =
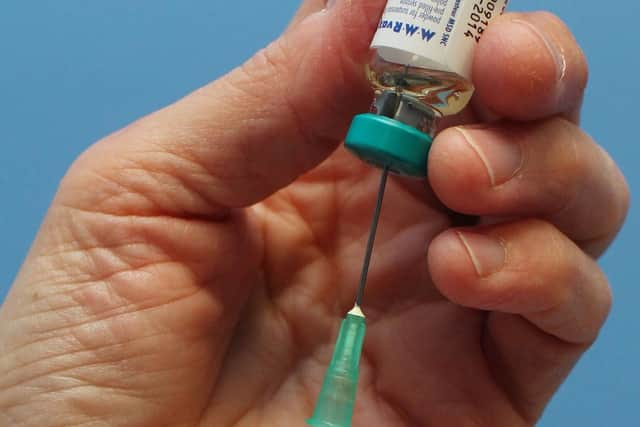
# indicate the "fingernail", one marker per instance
pixel 487 253
pixel 554 50
pixel 501 157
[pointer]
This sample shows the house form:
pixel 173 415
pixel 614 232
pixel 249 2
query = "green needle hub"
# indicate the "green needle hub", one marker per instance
pixel 337 397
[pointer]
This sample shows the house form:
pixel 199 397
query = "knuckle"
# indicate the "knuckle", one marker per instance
pixel 567 294
pixel 599 301
pixel 556 164
pixel 547 253
pixel 575 178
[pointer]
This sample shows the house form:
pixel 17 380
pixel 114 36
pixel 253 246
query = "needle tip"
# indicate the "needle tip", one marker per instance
pixel 356 311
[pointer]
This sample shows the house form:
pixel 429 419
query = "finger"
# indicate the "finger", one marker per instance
pixel 243 137
pixel 529 66
pixel 549 299
pixel 528 268
pixel 550 169
pixel 307 8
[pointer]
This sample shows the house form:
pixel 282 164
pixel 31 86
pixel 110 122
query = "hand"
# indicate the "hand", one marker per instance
pixel 193 267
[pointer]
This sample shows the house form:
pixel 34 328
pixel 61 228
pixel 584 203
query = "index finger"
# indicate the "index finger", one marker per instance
pixel 529 66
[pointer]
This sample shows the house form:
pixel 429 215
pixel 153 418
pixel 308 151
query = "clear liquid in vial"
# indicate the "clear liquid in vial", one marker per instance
pixel 443 92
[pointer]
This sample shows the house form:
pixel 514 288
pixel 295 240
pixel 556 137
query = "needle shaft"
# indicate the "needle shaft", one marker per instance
pixel 372 237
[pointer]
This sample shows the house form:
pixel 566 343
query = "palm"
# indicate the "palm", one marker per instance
pixel 423 356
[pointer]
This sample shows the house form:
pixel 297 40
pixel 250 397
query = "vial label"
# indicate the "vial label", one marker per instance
pixel 434 34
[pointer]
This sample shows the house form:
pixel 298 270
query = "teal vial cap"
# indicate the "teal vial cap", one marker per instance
pixel 385 142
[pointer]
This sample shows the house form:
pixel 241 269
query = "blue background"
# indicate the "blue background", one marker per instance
pixel 72 71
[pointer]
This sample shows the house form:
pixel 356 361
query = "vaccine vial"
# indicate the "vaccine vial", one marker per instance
pixel 420 70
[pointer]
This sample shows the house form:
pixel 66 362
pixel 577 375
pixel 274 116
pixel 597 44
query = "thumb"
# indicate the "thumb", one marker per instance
pixel 528 66
pixel 126 288
pixel 243 137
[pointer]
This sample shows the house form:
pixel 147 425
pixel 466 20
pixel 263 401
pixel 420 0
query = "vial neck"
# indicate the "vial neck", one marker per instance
pixel 405 109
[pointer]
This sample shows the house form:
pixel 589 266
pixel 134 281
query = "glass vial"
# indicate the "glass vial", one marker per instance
pixel 421 59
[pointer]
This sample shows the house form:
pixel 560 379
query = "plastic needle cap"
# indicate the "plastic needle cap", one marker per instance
pixel 337 397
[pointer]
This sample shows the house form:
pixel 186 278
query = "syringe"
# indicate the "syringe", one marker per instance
pixel 415 82
pixel 335 404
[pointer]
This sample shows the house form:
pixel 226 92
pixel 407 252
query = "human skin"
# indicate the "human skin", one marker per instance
pixel 194 267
